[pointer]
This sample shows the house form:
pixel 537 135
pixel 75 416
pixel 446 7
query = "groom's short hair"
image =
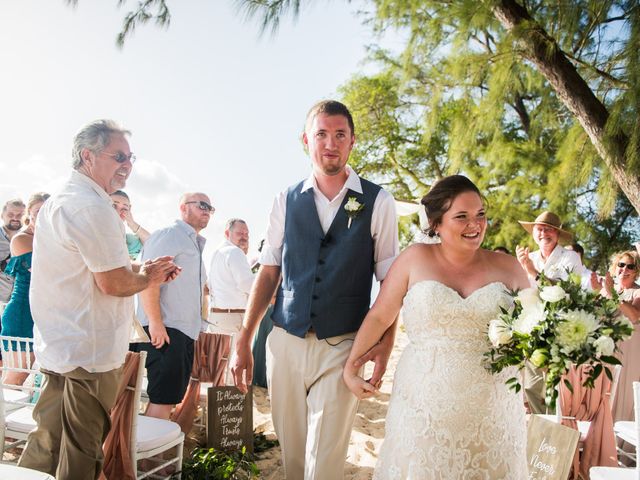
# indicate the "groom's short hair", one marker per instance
pixel 330 107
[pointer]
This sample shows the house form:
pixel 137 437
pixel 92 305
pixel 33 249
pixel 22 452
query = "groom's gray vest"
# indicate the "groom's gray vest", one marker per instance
pixel 326 279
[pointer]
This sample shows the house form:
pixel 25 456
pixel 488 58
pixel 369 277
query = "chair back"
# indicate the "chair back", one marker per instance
pixel 17 355
pixel 120 444
pixel 615 380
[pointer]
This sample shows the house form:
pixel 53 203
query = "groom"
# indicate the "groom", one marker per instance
pixel 327 253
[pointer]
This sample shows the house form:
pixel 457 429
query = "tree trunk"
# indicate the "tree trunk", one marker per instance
pixel 572 90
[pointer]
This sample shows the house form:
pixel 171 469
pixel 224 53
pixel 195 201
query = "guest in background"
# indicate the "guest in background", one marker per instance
pixel 12 213
pixel 230 279
pixel 621 278
pixel 555 262
pixel 139 235
pixel 172 314
pixel 16 318
pixel 80 295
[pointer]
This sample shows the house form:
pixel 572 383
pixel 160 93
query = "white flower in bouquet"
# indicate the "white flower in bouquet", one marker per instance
pixel 528 298
pixel 574 331
pixel 499 332
pixel 622 320
pixel 553 293
pixel 528 319
pixel 604 346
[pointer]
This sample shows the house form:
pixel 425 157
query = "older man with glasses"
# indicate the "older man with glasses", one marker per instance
pixel 81 286
pixel 172 314
pixel 556 262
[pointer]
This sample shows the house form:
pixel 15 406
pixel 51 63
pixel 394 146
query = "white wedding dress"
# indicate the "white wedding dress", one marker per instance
pixel 450 418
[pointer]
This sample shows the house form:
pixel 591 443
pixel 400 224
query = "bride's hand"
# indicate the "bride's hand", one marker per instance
pixel 358 386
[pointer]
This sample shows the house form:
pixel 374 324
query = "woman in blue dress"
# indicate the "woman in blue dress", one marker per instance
pixel 16 318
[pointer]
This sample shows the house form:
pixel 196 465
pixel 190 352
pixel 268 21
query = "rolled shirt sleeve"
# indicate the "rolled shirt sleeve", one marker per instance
pixel 384 231
pixel 271 253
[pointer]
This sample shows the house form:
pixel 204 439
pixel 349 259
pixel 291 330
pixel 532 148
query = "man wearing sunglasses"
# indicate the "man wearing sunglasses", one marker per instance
pixel 172 314
pixel 82 282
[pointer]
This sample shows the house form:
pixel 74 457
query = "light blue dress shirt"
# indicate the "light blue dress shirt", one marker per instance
pixel 181 299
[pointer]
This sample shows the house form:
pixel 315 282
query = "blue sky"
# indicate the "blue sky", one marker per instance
pixel 212 106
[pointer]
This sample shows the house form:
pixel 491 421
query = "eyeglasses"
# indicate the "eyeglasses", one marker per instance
pixel 121 157
pixel 630 266
pixel 203 206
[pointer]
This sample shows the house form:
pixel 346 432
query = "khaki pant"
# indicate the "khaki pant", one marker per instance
pixel 535 389
pixel 227 323
pixel 312 409
pixel 72 414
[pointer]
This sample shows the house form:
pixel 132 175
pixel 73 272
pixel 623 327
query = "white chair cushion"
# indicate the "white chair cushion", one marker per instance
pixel 21 420
pixel 11 395
pixel 14 472
pixel 154 432
pixel 626 431
pixel 612 473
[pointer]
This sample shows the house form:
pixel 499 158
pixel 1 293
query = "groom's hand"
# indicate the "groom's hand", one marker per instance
pixel 242 365
pixel 379 354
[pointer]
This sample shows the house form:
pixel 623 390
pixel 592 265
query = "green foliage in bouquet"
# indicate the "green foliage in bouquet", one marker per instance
pixel 555 326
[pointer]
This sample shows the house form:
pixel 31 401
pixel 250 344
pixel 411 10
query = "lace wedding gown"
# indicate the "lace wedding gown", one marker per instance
pixel 449 418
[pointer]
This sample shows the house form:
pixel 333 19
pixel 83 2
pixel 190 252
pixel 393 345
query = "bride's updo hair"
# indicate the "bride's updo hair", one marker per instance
pixel 440 197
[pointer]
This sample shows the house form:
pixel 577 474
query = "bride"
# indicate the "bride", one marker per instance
pixel 448 418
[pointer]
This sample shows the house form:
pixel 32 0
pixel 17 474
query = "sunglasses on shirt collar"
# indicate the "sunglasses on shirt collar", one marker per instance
pixel 203 206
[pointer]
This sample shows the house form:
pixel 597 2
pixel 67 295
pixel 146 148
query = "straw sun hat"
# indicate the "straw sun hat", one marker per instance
pixel 550 220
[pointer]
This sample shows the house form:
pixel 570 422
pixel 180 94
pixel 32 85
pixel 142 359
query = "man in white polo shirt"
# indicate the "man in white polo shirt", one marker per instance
pixel 81 286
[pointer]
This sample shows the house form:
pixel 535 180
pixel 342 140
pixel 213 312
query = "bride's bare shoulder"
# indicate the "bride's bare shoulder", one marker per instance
pixel 507 268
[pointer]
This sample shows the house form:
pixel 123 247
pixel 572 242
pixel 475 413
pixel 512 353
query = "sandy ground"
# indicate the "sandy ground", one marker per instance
pixel 366 437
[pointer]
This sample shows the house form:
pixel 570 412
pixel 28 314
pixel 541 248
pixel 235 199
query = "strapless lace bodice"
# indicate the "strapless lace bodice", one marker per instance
pixel 449 418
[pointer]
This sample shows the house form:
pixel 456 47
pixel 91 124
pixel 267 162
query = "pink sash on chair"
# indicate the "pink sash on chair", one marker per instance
pixel 592 405
pixel 118 464
pixel 209 364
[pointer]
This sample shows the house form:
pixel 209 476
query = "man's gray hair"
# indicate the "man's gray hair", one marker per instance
pixel 232 222
pixel 94 137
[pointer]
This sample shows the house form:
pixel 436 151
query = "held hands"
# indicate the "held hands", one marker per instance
pixel 160 270
pixel 242 364
pixel 379 354
pixel 522 254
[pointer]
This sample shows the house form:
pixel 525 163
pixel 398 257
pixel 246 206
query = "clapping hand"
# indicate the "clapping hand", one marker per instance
pixel 160 270
pixel 522 254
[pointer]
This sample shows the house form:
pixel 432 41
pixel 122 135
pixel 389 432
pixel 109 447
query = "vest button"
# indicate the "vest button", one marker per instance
pixel 321 262
pixel 313 315
pixel 318 279
pixel 314 297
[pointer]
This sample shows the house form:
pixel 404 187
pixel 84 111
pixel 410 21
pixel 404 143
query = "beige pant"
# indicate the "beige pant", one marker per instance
pixel 227 323
pixel 312 409
pixel 72 414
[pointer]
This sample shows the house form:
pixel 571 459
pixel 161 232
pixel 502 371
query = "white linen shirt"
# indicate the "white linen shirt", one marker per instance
pixel 230 277
pixel 555 267
pixel 384 225
pixel 75 324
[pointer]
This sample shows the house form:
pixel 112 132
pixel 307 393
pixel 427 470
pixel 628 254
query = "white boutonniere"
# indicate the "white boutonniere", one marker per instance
pixel 353 208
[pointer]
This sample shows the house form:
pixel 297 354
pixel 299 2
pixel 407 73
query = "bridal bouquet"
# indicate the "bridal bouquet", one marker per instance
pixel 554 326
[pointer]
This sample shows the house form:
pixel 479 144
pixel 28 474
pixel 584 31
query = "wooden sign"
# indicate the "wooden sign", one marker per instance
pixel 550 449
pixel 230 419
